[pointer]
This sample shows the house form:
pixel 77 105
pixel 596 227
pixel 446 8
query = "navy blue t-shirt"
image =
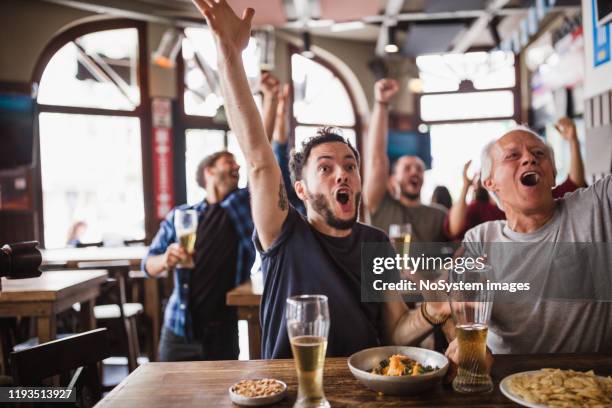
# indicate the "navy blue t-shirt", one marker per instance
pixel 304 261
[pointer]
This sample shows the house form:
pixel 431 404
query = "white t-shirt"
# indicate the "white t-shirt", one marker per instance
pixel 552 326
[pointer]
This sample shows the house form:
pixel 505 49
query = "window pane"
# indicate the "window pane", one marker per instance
pixel 199 143
pixel 467 105
pixel 80 73
pixel 202 93
pixel 443 73
pixel 302 133
pixel 320 97
pixel 452 145
pixel 91 171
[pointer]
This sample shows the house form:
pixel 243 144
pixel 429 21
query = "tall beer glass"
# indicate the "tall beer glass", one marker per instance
pixel 471 311
pixel 308 327
pixel 185 225
pixel 401 235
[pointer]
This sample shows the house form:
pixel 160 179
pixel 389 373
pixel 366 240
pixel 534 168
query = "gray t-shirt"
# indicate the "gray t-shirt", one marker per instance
pixel 427 221
pixel 548 326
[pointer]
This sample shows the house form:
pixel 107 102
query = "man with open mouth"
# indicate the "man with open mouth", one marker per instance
pixel 321 252
pixel 463 216
pixel 396 199
pixel 550 243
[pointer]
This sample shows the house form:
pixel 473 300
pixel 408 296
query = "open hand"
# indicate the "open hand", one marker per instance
pixel 231 32
pixel 384 89
pixel 566 127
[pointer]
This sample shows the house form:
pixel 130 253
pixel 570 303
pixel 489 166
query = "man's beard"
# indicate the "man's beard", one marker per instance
pixel 411 196
pixel 321 206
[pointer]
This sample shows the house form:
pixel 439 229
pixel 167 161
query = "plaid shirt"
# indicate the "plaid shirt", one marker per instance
pixel 237 204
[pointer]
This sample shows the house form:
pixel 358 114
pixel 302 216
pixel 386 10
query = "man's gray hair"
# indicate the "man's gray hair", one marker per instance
pixel 486 157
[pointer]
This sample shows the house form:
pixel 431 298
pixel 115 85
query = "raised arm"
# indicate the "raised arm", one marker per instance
pixel 376 162
pixel 270 87
pixel 268 197
pixel 567 129
pixel 458 212
pixel 280 125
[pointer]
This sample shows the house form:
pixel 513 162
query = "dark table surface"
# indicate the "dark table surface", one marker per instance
pixel 205 384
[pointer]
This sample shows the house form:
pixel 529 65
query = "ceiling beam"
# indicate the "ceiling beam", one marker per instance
pixel 478 26
pixel 394 7
pixel 128 9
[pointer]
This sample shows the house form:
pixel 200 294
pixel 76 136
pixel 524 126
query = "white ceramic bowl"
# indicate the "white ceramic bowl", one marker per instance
pixel 362 362
pixel 257 401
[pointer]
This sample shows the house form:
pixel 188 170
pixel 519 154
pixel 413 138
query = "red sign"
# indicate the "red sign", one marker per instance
pixel 163 188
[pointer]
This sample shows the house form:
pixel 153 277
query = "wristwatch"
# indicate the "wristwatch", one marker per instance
pixel 430 319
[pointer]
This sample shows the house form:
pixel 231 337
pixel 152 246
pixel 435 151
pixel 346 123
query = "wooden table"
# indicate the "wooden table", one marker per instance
pixel 51 293
pixel 247 302
pixel 72 256
pixel 152 303
pixel 205 384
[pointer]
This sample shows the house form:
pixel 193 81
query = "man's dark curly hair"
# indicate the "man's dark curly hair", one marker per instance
pixel 324 135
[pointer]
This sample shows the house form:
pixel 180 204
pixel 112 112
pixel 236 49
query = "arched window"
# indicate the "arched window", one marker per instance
pixel 91 102
pixel 201 106
pixel 321 98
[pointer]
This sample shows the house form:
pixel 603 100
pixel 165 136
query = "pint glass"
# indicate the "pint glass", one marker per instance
pixel 401 235
pixel 185 225
pixel 308 327
pixel 471 311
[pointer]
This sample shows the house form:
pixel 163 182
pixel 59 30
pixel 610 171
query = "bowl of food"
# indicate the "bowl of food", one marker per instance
pixel 257 393
pixel 398 370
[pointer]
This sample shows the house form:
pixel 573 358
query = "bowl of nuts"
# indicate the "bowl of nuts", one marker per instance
pixel 256 393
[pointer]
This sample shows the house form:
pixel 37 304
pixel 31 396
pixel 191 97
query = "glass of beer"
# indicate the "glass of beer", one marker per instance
pixel 471 311
pixel 401 235
pixel 185 225
pixel 308 327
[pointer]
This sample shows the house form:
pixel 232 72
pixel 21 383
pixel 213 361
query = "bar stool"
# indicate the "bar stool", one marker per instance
pixel 126 312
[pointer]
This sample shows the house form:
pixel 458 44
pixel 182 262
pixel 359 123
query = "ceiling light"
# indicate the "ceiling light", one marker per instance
pixel 168 48
pixel 306 41
pixel 391 47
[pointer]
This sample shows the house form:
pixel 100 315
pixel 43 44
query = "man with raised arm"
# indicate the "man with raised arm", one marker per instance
pixel 534 245
pixel 396 199
pixel 319 254
pixel 463 216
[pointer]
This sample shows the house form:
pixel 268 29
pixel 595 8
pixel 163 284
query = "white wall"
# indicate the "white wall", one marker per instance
pixel 26 27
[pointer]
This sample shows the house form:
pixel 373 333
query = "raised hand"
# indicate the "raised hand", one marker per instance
pixel 283 101
pixel 466 180
pixel 231 32
pixel 384 89
pixel 566 127
pixel 269 85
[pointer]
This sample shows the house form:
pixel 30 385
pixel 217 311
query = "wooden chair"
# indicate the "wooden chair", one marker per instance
pixel 81 353
pixel 126 313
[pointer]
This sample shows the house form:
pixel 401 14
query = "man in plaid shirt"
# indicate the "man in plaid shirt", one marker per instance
pixel 197 323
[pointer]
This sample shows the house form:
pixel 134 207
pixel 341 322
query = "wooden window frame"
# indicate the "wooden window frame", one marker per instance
pixel 142 111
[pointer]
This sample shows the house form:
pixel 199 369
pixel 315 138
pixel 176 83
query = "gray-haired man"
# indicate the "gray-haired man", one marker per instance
pixel 519 170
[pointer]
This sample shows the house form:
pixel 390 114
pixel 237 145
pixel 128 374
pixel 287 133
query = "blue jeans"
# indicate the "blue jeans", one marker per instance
pixel 215 342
